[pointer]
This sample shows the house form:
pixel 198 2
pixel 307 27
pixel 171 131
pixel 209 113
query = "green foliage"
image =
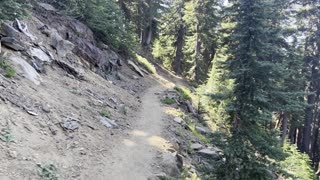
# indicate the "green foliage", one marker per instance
pixel 168 101
pixel 105 113
pixel 11 9
pixel 146 64
pixel 6 135
pixel 192 25
pixel 192 127
pixel 48 172
pixel 250 88
pixel 105 18
pixel 6 68
pixel 184 93
pixel 297 164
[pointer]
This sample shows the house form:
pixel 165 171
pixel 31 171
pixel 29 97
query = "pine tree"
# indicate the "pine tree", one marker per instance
pixel 257 66
pixel 168 48
pixel 143 15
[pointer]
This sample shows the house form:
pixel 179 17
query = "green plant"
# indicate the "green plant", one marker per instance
pixel 146 64
pixel 11 9
pixel 192 128
pixel 6 135
pixel 297 164
pixel 168 101
pixel 7 69
pixel 48 172
pixel 184 93
pixel 105 113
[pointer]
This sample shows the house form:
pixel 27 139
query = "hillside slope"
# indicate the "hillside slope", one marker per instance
pixel 72 110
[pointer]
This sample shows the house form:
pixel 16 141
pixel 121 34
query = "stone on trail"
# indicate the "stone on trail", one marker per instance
pixel 169 164
pixel 178 120
pixel 70 124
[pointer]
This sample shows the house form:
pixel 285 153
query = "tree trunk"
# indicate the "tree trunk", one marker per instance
pixel 177 62
pixel 299 138
pixel 293 134
pixel 284 128
pixel 197 56
pixel 307 124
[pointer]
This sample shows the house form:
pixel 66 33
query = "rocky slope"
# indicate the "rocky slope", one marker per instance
pixel 72 110
pixel 66 103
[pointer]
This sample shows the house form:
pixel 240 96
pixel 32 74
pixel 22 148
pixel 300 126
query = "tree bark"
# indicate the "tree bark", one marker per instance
pixel 307 124
pixel 299 138
pixel 284 128
pixel 177 62
pixel 293 134
pixel 197 56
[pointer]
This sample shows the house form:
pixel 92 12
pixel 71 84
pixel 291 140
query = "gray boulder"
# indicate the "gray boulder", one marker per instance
pixel 40 54
pixel 9 31
pixel 12 43
pixel 62 46
pixel 27 70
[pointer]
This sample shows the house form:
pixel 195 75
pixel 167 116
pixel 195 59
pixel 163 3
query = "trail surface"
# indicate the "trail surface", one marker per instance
pixel 136 155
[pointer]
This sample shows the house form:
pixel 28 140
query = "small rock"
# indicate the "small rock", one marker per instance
pixel 46 108
pixel 13 154
pixel 201 130
pixel 135 77
pixel 169 164
pixel 83 151
pixel 123 109
pixel 196 146
pixel 108 122
pixel 12 43
pixel 159 176
pixel 32 113
pixel 120 76
pixel 178 120
pixel 70 124
pixel 209 152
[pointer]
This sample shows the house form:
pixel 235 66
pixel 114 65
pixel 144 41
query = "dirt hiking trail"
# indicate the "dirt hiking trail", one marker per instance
pixel 135 155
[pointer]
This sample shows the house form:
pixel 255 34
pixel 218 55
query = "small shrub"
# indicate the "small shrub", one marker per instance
pixel 168 101
pixel 6 135
pixel 48 172
pixel 146 64
pixel 184 93
pixel 6 68
pixel 9 72
pixel 105 113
